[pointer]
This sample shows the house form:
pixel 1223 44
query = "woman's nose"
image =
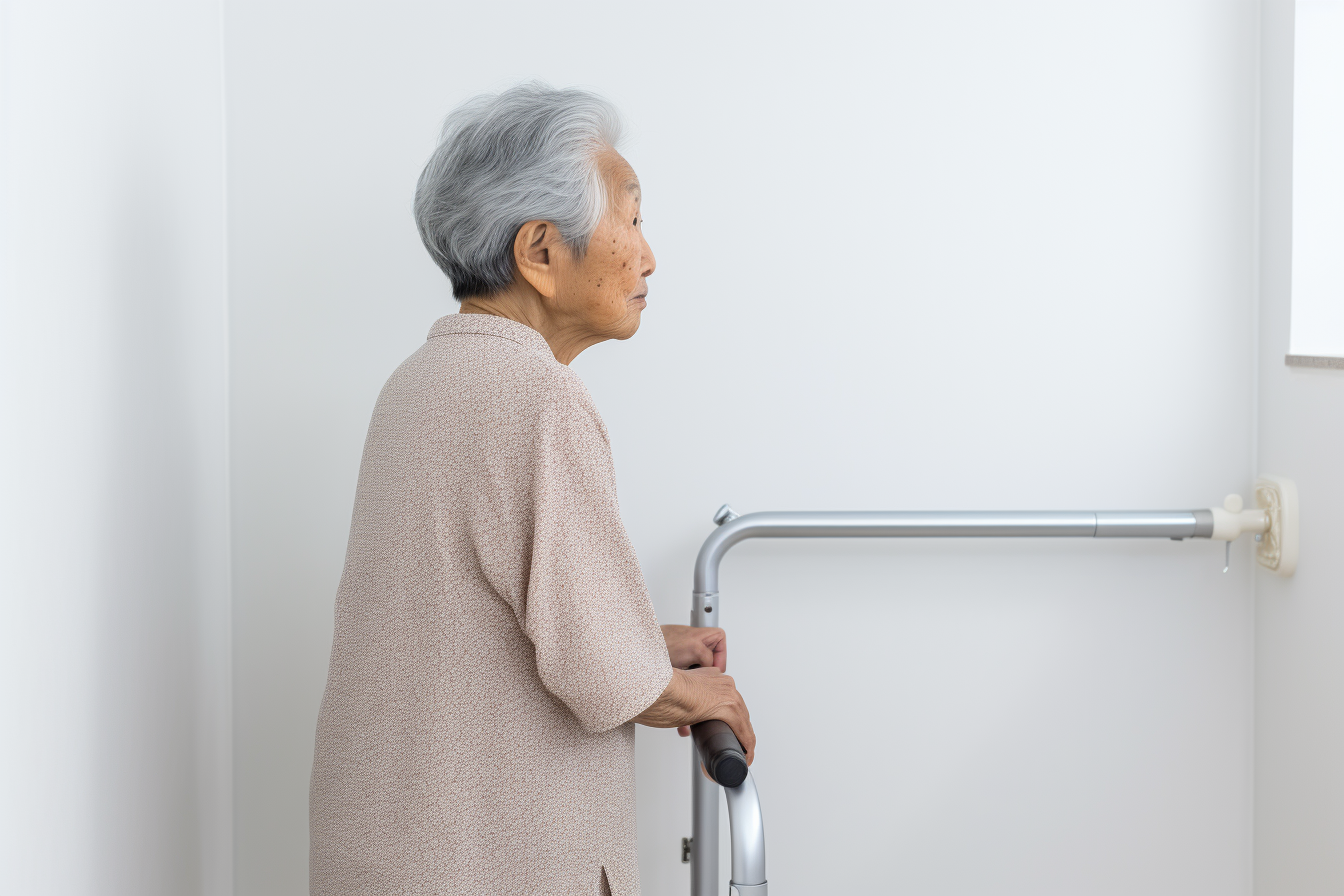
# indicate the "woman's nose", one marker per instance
pixel 650 263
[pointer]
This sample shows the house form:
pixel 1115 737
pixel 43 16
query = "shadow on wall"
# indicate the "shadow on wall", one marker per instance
pixel 145 727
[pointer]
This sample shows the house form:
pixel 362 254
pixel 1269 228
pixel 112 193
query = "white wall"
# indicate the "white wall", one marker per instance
pixel 113 543
pixel 1299 770
pixel 910 256
pixel 988 260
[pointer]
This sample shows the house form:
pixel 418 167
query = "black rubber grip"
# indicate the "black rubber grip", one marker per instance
pixel 720 752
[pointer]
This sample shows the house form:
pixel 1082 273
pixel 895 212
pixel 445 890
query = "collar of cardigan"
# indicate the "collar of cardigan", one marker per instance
pixel 491 325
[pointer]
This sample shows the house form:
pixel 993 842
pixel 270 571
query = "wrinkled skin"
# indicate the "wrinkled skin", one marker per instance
pixel 573 301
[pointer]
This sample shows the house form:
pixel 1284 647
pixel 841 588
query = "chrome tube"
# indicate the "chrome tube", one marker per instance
pixel 944 524
pixel 704 831
pixel 748 833
pixel 1175 524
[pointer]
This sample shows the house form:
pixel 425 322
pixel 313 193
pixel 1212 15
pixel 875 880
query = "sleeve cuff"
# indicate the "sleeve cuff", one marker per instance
pixel 636 702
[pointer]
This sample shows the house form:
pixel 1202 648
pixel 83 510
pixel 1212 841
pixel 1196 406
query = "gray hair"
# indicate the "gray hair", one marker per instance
pixel 527 154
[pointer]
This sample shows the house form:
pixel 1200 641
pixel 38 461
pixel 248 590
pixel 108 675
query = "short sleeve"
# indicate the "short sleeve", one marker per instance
pixel 599 648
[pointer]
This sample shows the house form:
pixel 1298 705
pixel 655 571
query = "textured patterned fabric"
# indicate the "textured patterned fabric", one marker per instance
pixel 493 638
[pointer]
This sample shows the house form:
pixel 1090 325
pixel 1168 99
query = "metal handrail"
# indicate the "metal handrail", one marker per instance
pixel 748 834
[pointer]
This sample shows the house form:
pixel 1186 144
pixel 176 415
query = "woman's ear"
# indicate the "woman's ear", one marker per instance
pixel 534 252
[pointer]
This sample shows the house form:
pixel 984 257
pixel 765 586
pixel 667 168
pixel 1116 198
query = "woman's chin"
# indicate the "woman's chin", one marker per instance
pixel 630 325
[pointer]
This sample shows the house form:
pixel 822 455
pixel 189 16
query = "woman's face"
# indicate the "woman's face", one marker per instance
pixel 606 289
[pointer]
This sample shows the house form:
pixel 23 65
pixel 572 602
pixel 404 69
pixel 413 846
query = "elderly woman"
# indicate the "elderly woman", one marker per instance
pixel 494 641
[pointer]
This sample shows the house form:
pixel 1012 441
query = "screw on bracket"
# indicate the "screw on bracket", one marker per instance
pixel 686 850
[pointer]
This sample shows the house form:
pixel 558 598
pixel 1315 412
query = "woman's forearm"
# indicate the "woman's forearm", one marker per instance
pixel 676 706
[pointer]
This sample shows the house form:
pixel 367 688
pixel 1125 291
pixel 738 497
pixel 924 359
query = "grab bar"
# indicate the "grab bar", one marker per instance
pixel 1277 519
pixel 722 758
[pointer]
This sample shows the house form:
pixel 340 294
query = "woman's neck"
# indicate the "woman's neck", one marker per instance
pixel 567 338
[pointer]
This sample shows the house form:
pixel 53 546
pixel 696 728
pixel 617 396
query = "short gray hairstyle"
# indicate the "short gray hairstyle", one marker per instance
pixel 527 154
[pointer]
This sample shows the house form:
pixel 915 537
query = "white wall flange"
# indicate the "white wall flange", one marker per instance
pixel 1232 520
pixel 1277 550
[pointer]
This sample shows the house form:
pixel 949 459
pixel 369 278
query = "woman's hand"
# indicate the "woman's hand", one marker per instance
pixel 695 695
pixel 688 646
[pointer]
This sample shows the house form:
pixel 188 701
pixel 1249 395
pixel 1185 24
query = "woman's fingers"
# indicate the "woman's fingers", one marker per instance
pixel 727 705
pixel 684 731
pixel 721 654
pixel 715 643
pixel 746 735
pixel 688 646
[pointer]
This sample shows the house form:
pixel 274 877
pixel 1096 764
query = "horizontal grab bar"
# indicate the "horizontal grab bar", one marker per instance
pixel 1178 524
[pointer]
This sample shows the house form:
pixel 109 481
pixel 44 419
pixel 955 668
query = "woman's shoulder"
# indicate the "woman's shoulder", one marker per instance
pixel 569 403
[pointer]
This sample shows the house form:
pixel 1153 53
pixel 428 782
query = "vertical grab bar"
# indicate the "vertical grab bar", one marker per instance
pixel 748 832
pixel 720 754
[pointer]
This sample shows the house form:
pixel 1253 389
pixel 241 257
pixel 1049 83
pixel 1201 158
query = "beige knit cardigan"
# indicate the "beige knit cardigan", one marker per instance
pixel 493 638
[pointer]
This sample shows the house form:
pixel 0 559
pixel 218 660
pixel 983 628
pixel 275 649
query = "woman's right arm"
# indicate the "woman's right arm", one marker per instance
pixel 694 695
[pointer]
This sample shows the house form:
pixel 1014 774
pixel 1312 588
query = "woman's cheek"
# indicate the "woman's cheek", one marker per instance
pixel 630 265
